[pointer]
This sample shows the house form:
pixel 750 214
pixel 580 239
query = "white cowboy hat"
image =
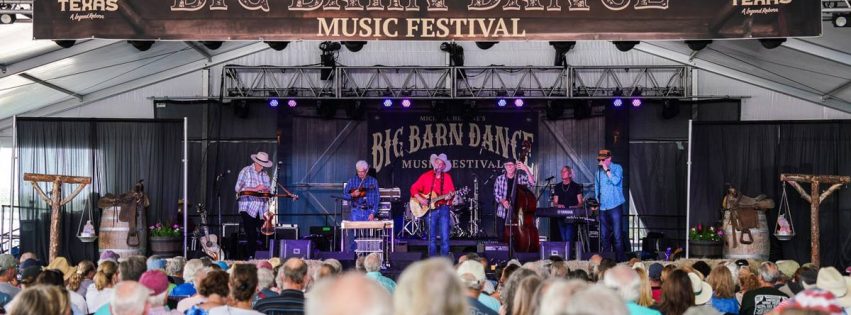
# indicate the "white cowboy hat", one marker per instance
pixel 702 290
pixel 829 279
pixel 262 158
pixel 442 156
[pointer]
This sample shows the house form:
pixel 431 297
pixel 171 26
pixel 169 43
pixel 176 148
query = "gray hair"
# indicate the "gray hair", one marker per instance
pixel 128 298
pixel 132 268
pixel 430 287
pixel 361 165
pixel 159 299
pixel 338 267
pixel 769 272
pixel 352 293
pixel 175 266
pixel 596 300
pixel 265 278
pixel 558 295
pixel 372 262
pixel 190 268
pixel 625 281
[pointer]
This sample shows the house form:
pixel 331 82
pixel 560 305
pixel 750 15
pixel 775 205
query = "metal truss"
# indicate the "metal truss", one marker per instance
pixel 374 82
pixel 829 7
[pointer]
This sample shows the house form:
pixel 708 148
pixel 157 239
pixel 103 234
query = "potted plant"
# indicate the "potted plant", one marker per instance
pixel 705 242
pixel 166 240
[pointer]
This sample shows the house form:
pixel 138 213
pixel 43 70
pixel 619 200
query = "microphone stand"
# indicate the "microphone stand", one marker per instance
pixel 219 202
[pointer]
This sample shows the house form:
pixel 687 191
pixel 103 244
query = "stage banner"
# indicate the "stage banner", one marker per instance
pixel 465 20
pixel 400 144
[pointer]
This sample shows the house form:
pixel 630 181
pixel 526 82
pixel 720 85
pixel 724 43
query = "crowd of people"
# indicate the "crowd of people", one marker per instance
pixel 473 285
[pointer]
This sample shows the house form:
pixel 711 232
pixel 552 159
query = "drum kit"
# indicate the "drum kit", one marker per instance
pixel 463 217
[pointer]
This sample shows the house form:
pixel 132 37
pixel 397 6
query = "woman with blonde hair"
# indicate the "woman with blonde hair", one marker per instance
pixel 41 299
pixel 430 287
pixel 645 291
pixel 99 292
pixel 723 290
pixel 83 277
pixel 524 299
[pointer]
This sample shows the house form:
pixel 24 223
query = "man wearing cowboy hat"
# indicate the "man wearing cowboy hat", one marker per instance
pixel 439 182
pixel 251 208
pixel 608 188
pixel 502 189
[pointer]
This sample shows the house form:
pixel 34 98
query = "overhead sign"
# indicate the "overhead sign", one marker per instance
pixel 468 20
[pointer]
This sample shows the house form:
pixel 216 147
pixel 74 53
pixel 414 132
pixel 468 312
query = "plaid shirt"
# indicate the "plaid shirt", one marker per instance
pixel 368 203
pixel 501 190
pixel 248 179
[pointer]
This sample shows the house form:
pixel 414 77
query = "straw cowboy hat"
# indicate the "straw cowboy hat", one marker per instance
pixel 446 163
pixel 262 158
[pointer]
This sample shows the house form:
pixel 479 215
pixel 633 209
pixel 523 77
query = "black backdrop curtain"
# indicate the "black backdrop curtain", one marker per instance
pixel 658 186
pixel 751 156
pixel 114 153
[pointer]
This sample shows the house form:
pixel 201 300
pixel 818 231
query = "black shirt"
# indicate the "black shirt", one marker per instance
pixel 567 193
pixel 761 301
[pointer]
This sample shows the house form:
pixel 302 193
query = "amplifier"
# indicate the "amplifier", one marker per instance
pixel 295 248
pixel 561 249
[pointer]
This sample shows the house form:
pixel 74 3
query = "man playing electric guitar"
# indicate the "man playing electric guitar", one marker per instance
pixel 432 183
pixel 252 178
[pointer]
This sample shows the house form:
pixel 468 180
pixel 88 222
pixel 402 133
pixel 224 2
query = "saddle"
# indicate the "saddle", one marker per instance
pixel 130 204
pixel 743 213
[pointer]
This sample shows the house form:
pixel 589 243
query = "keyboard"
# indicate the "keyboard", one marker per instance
pixel 562 212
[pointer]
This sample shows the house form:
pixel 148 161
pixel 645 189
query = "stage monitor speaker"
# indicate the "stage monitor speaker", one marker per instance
pixel 286 232
pixel 295 248
pixel 560 249
pixel 263 254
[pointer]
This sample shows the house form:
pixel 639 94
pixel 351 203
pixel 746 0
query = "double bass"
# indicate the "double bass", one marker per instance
pixel 521 230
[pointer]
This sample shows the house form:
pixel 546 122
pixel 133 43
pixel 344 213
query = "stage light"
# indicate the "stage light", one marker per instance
pixel 636 102
pixel 617 102
pixel 771 43
pixel 7 18
pixel 406 103
pixel 485 45
pixel 292 103
pixel 141 45
pixel 273 102
pixel 354 46
pixel 501 102
pixel 387 103
pixel 697 45
pixel 841 19
pixel 625 46
pixel 519 102
pixel 277 45
pixel 211 45
pixel 65 43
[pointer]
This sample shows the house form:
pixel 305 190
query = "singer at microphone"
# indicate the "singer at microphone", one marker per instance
pixel 608 189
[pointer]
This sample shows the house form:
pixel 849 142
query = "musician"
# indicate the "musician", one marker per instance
pixel 252 209
pixel 502 189
pixel 608 188
pixel 436 181
pixel 364 208
pixel 567 194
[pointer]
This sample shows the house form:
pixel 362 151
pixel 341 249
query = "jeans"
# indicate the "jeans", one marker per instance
pixel 250 225
pixel 438 221
pixel 568 234
pixel 610 221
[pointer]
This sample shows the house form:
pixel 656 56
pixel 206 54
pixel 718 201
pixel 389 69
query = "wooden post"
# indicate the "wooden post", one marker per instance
pixel 815 198
pixel 56 201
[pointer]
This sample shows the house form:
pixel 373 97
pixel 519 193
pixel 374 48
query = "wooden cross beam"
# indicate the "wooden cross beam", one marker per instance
pixel 55 201
pixel 815 198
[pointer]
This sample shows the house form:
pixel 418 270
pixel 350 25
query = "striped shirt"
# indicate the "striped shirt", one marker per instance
pixel 290 302
pixel 371 201
pixel 501 190
pixel 248 179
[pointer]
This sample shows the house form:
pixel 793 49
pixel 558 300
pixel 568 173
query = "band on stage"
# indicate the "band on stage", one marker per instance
pixel 433 192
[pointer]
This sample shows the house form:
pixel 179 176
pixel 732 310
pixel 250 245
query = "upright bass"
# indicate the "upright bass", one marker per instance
pixel 522 230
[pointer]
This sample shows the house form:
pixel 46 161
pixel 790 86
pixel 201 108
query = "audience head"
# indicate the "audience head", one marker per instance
pixel 768 273
pixel 430 287
pixel 106 275
pixel 338 267
pixel 216 282
pixel 156 281
pixel 61 264
pixel 524 298
pixel 372 262
pixel 325 271
pixel 353 293
pixel 28 276
pixel 8 267
pixel 666 270
pixel 721 282
pixel 806 276
pixel 155 263
pixel 748 281
pixel 108 255
pixel 654 272
pixel 27 256
pixel 265 278
pixel 50 277
pixel 596 300
pixel 677 293
pixel 512 285
pixel 623 280
pixel 129 298
pixel 359 264
pixel 243 282
pixel 293 274
pixel 702 267
pixel 132 268
pixel 702 290
pixel 472 275
pixel 829 279
pixel 579 274
pixel 174 267
pixel 190 269
pixel 85 269
pixel 41 299
pixel 556 298
pixel 558 269
pixel 605 265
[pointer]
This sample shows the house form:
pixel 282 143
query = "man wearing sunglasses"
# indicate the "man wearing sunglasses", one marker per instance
pixel 608 188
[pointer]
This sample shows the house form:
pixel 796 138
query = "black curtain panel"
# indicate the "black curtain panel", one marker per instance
pixel 752 156
pixel 115 154
pixel 658 185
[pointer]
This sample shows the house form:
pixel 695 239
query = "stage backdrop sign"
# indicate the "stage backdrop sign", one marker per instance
pixel 470 20
pixel 401 143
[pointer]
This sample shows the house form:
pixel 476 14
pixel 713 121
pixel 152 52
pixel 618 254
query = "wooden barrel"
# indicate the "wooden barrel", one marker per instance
pixel 113 234
pixel 759 249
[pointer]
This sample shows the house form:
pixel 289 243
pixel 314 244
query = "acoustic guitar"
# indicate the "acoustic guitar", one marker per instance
pixel 418 210
pixel 209 242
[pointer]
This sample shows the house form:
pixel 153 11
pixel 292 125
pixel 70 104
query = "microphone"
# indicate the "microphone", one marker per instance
pixel 550 178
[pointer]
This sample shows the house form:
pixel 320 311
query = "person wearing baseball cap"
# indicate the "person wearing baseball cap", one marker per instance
pixel 157 282
pixel 608 189
pixel 472 274
pixel 8 272
pixel 252 179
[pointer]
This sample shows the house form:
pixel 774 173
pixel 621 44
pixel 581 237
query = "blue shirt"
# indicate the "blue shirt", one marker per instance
pixel 370 202
pixel 489 301
pixel 725 305
pixel 186 290
pixel 635 309
pixel 385 282
pixel 609 190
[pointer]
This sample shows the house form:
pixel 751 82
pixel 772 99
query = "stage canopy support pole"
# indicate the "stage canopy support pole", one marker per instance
pixel 815 198
pixel 56 201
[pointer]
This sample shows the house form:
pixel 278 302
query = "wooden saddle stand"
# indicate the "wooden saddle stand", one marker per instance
pixel 131 204
pixel 744 214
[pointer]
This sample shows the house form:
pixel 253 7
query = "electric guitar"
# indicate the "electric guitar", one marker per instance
pixel 418 210
pixel 209 242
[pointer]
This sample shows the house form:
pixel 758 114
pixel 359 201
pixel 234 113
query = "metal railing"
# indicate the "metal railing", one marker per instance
pixel 674 229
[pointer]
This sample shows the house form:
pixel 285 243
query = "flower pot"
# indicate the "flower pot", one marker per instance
pixel 166 246
pixel 705 249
